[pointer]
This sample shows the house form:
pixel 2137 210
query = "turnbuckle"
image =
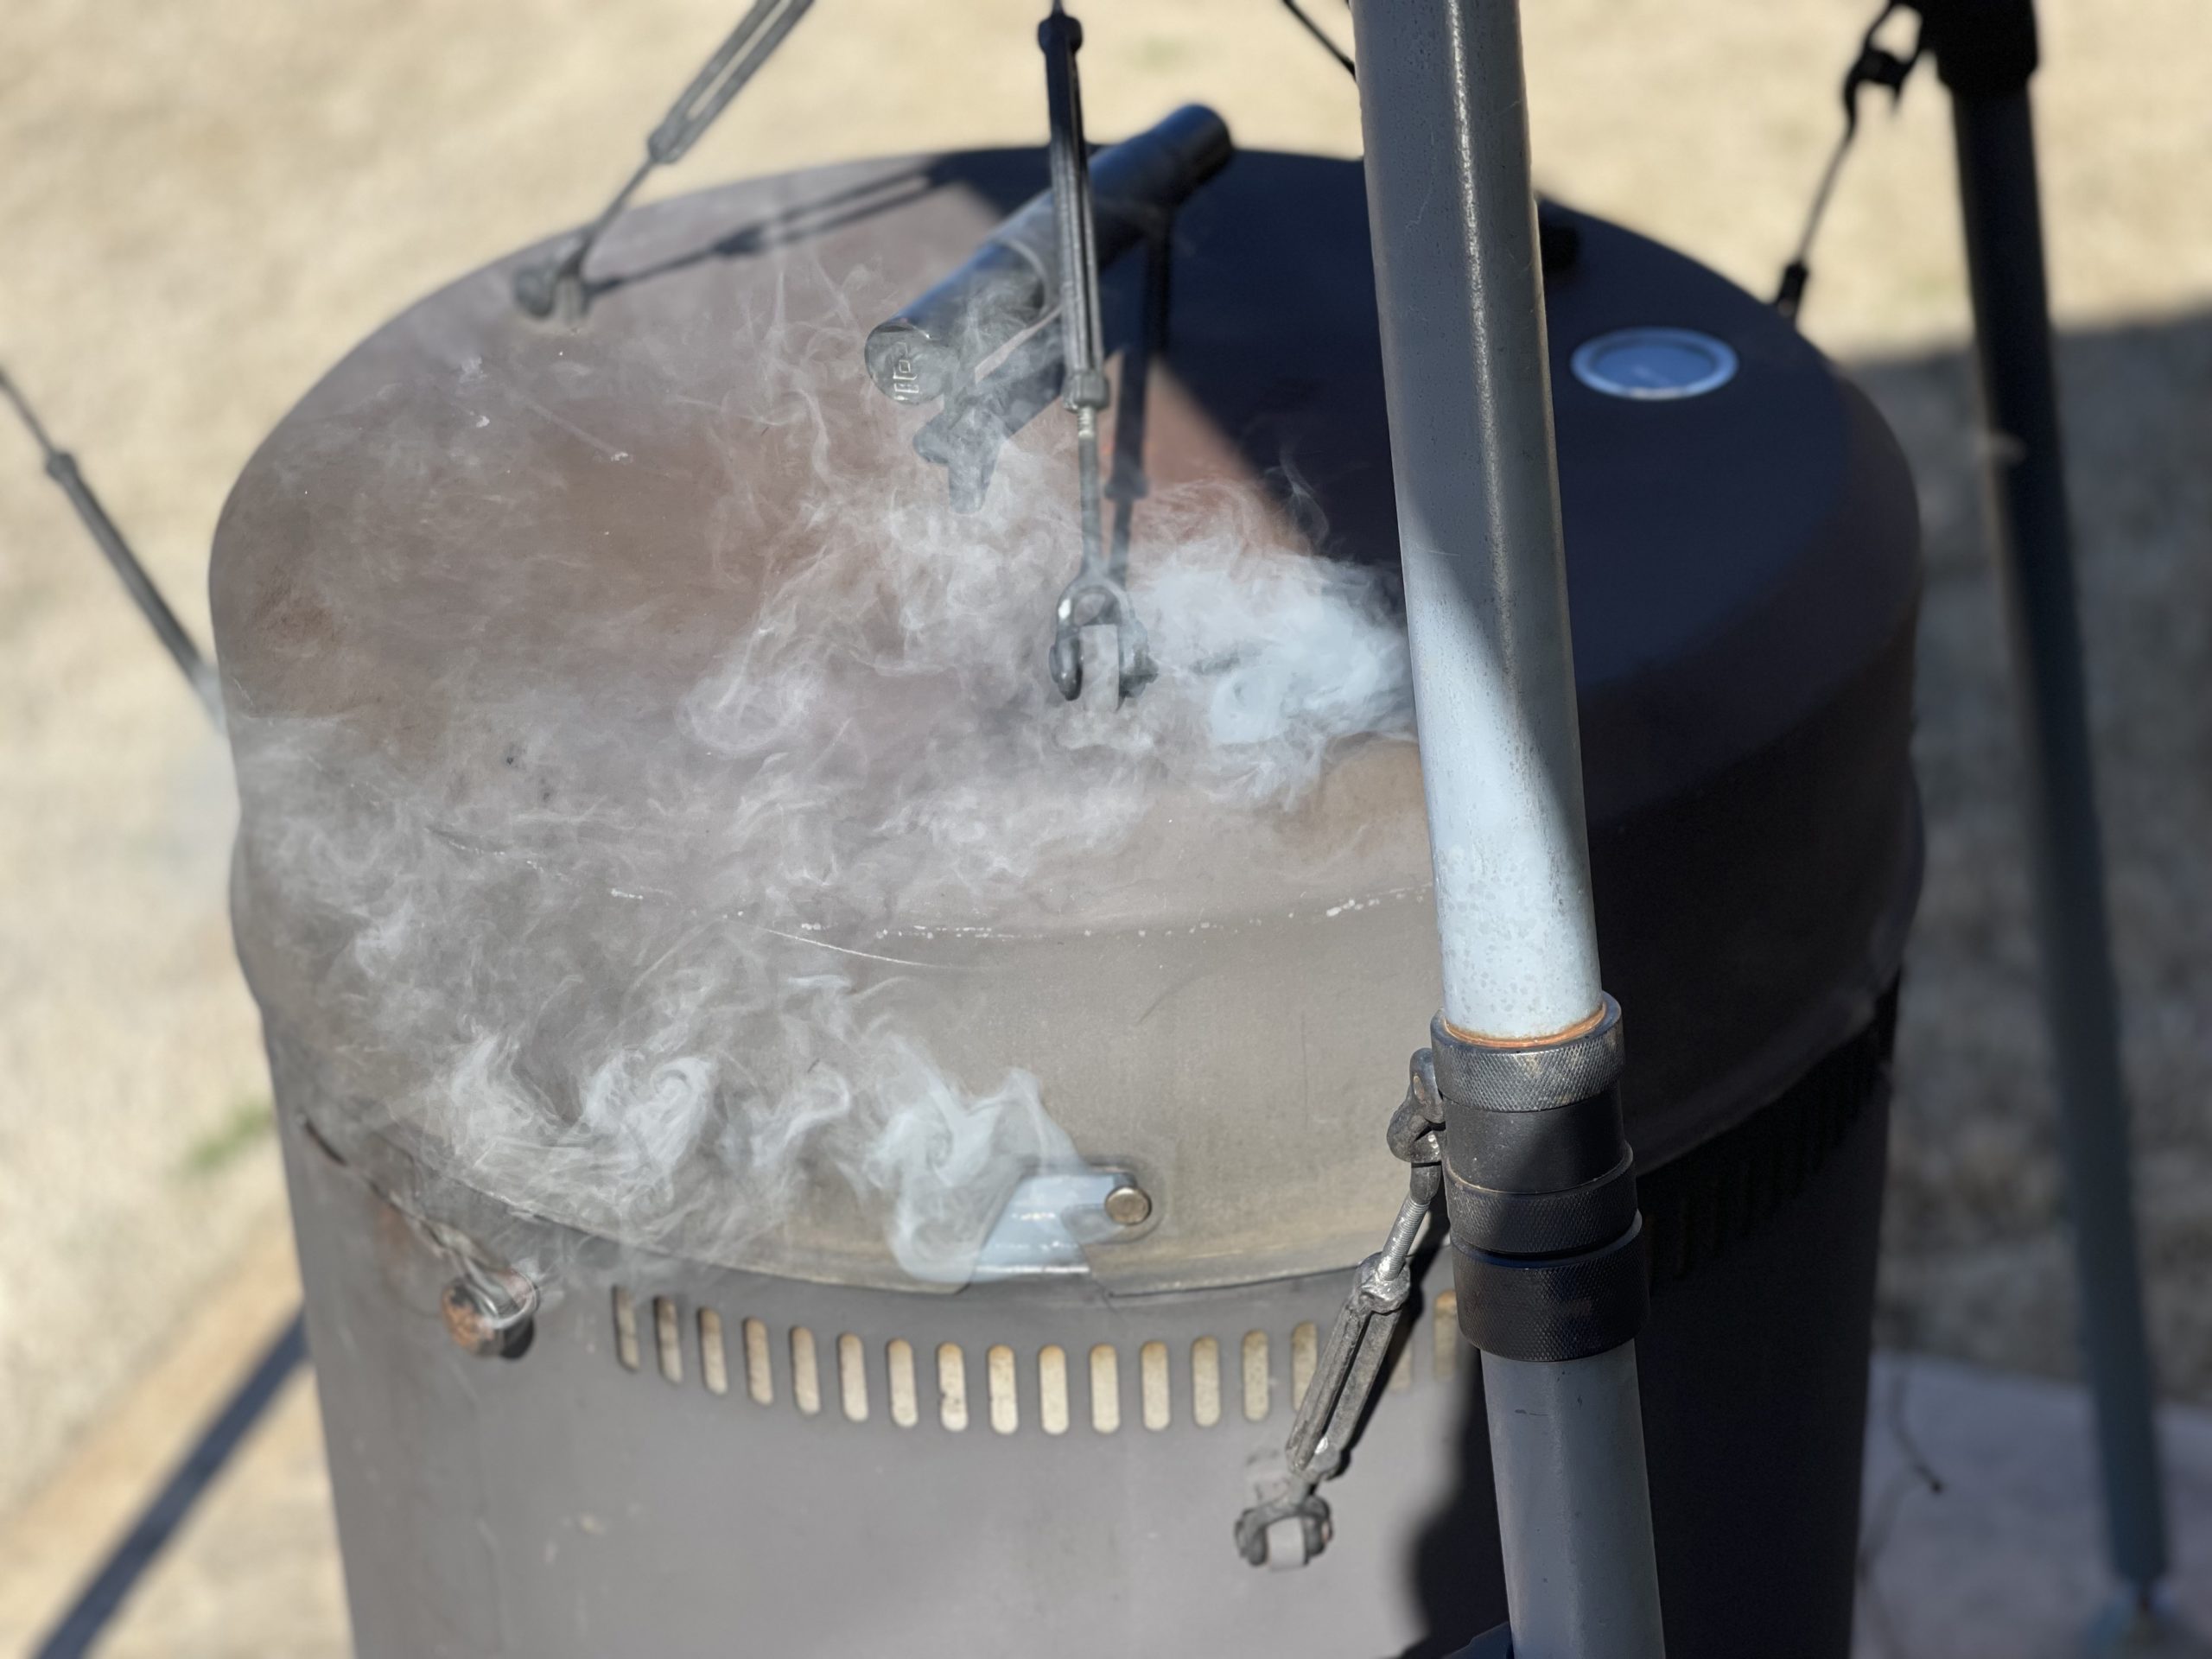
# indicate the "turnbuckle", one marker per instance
pixel 1097 598
pixel 556 282
pixel 1291 1526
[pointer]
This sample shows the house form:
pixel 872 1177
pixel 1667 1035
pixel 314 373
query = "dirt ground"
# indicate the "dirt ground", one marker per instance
pixel 205 205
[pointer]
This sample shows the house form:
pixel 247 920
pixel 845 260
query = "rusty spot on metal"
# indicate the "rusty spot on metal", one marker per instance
pixel 1578 1028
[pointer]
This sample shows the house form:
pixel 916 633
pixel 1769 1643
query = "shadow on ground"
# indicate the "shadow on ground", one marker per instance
pixel 1975 1262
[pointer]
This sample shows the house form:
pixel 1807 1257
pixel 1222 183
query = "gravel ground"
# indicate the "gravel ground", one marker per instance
pixel 207 205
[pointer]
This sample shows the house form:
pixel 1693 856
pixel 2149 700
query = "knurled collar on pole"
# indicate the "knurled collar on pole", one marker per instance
pixel 1548 1248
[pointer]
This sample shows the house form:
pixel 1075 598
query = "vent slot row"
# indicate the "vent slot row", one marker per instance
pixel 1163 1385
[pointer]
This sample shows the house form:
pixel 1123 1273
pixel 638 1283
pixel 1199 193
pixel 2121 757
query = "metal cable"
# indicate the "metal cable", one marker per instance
pixel 62 466
pixel 1328 45
pixel 1875 66
pixel 556 283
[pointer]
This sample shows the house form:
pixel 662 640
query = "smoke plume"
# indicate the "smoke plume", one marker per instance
pixel 624 950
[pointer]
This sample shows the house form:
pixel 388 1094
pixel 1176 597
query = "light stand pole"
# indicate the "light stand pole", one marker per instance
pixel 1547 1253
pixel 1985 52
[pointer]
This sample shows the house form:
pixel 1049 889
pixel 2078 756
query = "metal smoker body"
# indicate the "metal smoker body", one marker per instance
pixel 701 1439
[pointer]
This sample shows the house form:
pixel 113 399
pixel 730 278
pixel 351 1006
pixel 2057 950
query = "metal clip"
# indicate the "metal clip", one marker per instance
pixel 1096 599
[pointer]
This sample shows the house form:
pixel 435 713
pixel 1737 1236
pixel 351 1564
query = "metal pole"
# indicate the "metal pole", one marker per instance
pixel 1574 1514
pixel 1454 220
pixel 1459 287
pixel 1986 54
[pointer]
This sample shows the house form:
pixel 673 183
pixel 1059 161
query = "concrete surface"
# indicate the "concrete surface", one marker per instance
pixel 1981 1538
pixel 211 203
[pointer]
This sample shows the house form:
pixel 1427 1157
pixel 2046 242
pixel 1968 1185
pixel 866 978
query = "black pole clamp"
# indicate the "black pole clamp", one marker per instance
pixel 1982 48
pixel 1546 1244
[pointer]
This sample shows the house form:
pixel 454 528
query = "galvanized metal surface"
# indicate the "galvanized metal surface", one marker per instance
pixel 1245 1011
pixel 692 1461
pixel 1454 223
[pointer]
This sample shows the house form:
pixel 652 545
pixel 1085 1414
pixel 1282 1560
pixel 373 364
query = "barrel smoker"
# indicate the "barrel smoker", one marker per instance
pixel 473 585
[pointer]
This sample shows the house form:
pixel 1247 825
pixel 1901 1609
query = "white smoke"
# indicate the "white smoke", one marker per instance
pixel 578 942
